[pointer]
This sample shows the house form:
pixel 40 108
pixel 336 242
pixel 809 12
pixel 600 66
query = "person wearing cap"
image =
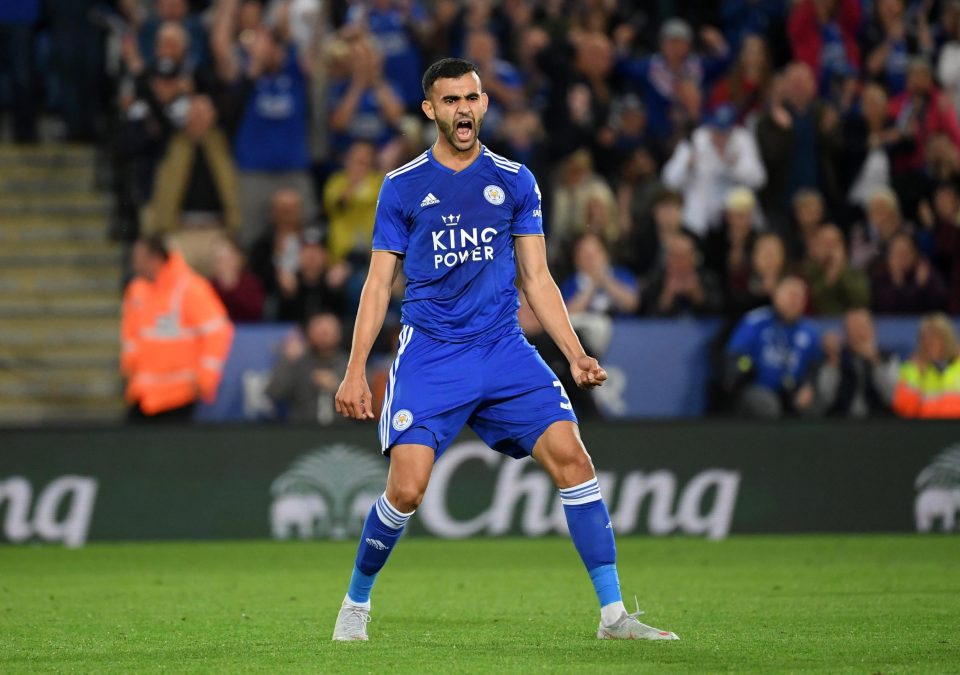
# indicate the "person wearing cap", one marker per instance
pixel 719 156
pixel 658 75
pixel 921 111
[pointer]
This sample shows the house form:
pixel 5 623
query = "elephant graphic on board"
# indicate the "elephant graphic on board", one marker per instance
pixel 297 515
pixel 937 503
pixel 938 496
pixel 326 493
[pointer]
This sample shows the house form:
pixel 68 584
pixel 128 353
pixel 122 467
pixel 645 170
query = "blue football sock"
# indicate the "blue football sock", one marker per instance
pixel 381 530
pixel 592 533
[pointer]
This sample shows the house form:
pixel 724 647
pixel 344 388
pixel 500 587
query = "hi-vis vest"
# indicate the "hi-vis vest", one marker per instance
pixel 176 337
pixel 930 393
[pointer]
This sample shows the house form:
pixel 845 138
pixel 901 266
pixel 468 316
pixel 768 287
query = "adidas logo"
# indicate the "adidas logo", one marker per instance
pixel 429 200
pixel 377 544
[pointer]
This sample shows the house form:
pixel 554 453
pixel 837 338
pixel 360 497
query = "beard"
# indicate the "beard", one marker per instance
pixel 449 132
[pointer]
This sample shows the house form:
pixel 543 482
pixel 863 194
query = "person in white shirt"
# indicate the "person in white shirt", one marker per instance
pixel 718 157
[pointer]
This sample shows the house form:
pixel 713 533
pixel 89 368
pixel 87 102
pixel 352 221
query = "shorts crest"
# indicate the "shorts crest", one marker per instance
pixel 402 420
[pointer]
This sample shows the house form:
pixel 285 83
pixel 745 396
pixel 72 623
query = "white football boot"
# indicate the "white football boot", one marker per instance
pixel 351 622
pixel 628 627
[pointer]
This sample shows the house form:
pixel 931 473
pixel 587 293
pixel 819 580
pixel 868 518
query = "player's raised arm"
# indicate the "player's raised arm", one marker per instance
pixel 547 303
pixel 353 397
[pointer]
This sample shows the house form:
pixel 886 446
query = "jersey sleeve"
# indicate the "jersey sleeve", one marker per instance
pixel 528 212
pixel 390 229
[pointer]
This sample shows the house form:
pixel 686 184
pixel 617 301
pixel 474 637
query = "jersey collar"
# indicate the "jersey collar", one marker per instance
pixel 473 166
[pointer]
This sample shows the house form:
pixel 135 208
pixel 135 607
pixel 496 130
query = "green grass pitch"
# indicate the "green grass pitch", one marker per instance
pixel 866 604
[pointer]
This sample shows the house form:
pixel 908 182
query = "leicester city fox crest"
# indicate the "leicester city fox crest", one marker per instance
pixel 402 420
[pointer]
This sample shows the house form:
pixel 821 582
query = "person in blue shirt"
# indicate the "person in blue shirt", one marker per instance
pixel 596 285
pixel 657 76
pixel 773 353
pixel 462 221
pixel 396 26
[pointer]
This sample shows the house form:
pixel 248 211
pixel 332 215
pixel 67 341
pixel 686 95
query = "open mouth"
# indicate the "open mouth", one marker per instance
pixel 464 130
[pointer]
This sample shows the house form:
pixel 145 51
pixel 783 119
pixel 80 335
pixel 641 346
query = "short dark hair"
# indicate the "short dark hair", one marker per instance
pixel 156 245
pixel 446 68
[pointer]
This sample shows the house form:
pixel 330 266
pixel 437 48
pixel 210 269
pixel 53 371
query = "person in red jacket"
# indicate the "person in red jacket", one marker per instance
pixel 922 111
pixel 823 34
pixel 176 336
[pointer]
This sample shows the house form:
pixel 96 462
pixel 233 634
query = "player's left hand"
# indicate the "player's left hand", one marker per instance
pixel 587 372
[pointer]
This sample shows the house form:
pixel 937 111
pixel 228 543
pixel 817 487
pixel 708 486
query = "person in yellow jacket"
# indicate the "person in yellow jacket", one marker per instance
pixel 176 336
pixel 929 384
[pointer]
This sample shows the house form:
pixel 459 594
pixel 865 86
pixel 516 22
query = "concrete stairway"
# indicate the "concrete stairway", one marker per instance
pixel 59 289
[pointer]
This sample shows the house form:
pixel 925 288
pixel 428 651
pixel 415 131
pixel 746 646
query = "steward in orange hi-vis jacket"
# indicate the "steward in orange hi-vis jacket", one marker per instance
pixel 176 334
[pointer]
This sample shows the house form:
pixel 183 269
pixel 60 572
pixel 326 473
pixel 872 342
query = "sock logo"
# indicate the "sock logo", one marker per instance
pixel 377 544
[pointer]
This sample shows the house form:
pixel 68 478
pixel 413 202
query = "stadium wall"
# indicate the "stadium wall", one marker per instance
pixel 658 367
pixel 706 479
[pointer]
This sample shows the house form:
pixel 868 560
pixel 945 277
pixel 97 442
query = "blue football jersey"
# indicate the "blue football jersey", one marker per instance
pixel 455 230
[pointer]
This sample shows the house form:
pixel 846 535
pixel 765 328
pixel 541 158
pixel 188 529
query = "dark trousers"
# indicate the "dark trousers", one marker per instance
pixel 181 415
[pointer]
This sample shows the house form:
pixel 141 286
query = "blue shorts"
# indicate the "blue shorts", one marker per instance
pixel 503 390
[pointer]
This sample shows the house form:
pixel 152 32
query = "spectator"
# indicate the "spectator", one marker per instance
pixel 683 287
pixel 315 287
pixel 277 252
pixel 719 157
pixel 945 217
pixel 166 86
pixel 856 379
pixel 576 188
pixel 236 25
pixel 772 355
pixel 907 283
pixel 365 105
pixel 768 265
pixel 637 188
pixel 921 111
pixel 239 289
pixel 17 25
pixel 175 12
pixel 800 143
pixel 580 94
pixel 397 27
pixel 659 76
pixel 948 64
pixel 808 215
pixel 195 199
pixel 890 40
pixel 835 286
pixel 746 85
pixel 823 35
pixel 306 378
pixel 596 285
pixel 626 129
pixel 175 333
pixel 869 239
pixel 502 82
pixel 929 384
pixel 870 138
pixel 646 244
pixel 271 141
pixel 350 201
pixel 727 249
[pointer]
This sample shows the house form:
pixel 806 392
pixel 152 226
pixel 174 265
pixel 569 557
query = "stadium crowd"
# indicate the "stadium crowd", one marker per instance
pixel 758 160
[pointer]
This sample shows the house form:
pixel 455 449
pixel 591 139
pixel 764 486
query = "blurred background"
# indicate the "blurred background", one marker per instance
pixel 752 207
